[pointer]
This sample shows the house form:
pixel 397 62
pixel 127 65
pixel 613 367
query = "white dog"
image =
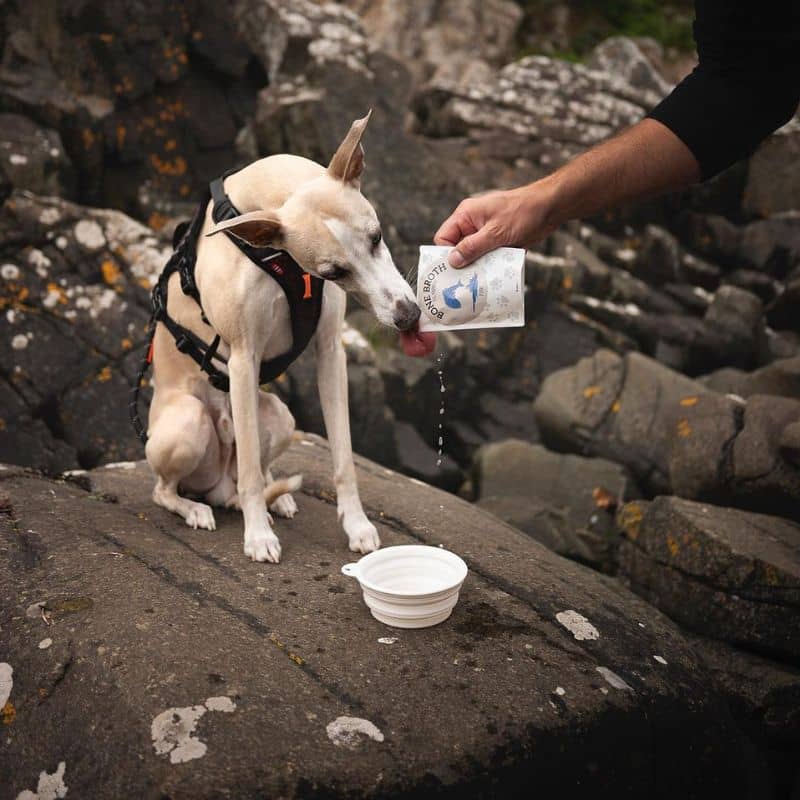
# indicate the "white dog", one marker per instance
pixel 220 445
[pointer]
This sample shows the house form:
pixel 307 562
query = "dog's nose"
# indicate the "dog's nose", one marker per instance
pixel 406 315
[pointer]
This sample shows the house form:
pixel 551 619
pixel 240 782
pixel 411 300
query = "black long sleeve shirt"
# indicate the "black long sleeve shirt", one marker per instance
pixel 746 84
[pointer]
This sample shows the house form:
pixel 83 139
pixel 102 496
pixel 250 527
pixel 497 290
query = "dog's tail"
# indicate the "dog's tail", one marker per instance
pixel 282 486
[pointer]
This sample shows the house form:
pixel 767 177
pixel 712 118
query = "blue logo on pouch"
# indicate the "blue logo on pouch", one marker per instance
pixel 449 292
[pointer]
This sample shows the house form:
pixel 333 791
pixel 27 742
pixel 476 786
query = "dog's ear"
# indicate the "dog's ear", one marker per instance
pixel 347 163
pixel 258 228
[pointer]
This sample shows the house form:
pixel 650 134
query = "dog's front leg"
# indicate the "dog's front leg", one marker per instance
pixel 332 384
pixel 260 543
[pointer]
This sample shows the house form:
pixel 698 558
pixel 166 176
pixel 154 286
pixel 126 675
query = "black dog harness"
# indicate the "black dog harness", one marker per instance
pixel 303 292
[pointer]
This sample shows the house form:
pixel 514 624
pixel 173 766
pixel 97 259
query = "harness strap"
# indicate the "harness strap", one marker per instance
pixel 303 291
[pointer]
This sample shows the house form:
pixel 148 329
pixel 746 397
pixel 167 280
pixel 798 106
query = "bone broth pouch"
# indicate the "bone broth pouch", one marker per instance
pixel 489 293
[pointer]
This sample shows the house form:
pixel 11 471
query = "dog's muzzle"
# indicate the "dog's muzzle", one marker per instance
pixel 406 315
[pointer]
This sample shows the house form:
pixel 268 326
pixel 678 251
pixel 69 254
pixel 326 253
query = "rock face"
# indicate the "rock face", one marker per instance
pixel 566 502
pixel 622 408
pixel 773 177
pixel 34 158
pixel 452 39
pixel 746 454
pixel 540 666
pixel 75 304
pixel 129 88
pixel 727 574
pixel 563 107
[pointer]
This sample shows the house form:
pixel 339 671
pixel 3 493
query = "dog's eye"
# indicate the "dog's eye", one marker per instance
pixel 333 273
pixel 375 240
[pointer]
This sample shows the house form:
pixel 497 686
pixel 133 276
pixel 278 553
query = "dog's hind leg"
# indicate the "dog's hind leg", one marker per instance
pixel 276 427
pixel 181 444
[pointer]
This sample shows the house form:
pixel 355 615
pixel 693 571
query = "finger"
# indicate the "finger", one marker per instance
pixel 454 229
pixel 472 247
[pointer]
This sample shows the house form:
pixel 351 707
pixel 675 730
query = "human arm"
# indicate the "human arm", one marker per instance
pixel 647 159
pixel 746 85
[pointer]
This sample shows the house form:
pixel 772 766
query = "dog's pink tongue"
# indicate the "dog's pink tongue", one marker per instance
pixel 417 343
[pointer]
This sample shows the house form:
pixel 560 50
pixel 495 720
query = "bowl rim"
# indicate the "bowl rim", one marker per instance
pixel 386 553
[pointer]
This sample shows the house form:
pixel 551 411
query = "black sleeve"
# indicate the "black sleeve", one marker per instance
pixel 746 83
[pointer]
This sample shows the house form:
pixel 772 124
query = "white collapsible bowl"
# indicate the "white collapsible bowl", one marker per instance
pixel 409 585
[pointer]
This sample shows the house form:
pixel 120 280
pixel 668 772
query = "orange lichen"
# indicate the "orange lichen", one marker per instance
pixel 127 344
pixel 591 391
pixel 672 546
pixel 9 713
pixel 616 406
pixel 567 282
pixel 104 375
pixel 156 221
pixel 111 272
pixel 121 135
pixel 630 520
pixel 175 167
pixel 689 401
pixel 54 288
pixel 684 429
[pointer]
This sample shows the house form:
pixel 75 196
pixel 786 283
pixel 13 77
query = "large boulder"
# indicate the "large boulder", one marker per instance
pixel 169 653
pixel 74 289
pixel 452 39
pixel 780 378
pixel 552 109
pixel 764 698
pixel 130 89
pixel 746 454
pixel 34 157
pixel 724 573
pixel 624 408
pixel 773 175
pixel 566 502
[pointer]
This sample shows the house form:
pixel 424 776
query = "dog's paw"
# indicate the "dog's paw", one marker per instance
pixel 362 535
pixel 201 516
pixel 284 506
pixel 264 547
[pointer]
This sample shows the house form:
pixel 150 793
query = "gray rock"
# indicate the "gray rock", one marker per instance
pixel 757 283
pixel 659 259
pixel 76 305
pixel 623 57
pixel 129 94
pixel 783 312
pixel 727 451
pixel 566 502
pixel 419 458
pixel 772 245
pixel 539 99
pixel 773 177
pixel 34 158
pixel 621 408
pixel 372 424
pixel 442 39
pixel 149 616
pixel 724 573
pixel 764 698
pixel 781 378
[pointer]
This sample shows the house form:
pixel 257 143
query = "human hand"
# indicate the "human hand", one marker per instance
pixel 514 218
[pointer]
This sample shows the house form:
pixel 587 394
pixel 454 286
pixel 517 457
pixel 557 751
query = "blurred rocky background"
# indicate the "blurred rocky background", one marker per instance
pixel 645 421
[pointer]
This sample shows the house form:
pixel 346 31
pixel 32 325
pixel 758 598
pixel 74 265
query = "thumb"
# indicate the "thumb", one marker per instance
pixel 472 247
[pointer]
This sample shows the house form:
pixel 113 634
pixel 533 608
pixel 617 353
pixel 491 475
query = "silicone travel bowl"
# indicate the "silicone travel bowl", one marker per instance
pixel 409 585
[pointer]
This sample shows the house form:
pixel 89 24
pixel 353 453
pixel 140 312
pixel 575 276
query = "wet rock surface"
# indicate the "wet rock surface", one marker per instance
pixel 540 665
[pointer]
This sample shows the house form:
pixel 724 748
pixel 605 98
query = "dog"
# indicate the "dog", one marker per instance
pixel 220 446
